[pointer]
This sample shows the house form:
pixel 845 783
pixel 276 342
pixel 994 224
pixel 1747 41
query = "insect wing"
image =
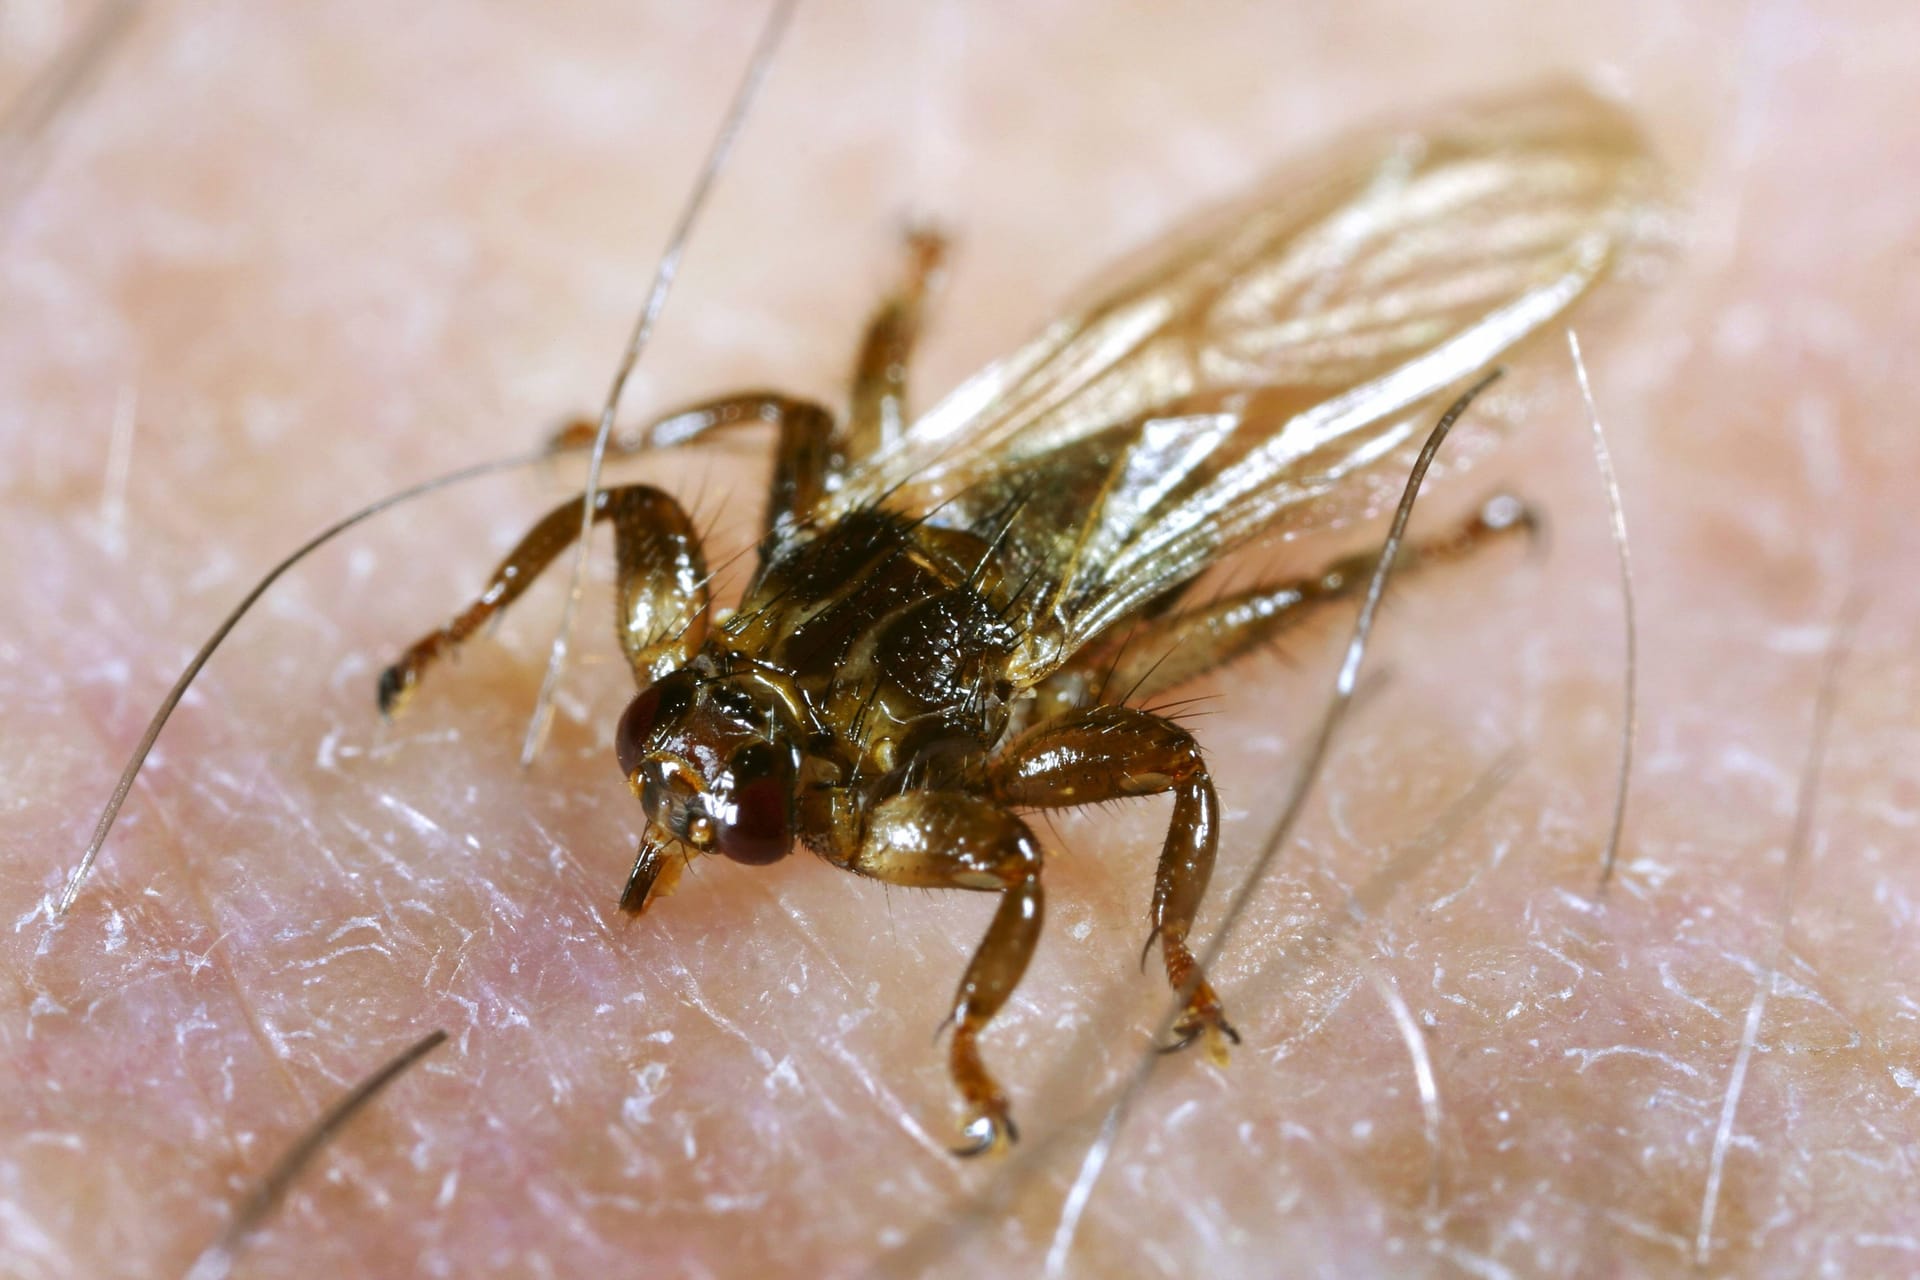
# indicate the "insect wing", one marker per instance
pixel 1247 376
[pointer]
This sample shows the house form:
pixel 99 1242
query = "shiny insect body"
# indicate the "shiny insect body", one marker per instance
pixel 956 619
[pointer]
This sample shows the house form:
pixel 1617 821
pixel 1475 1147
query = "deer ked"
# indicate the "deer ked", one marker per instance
pixel 958 618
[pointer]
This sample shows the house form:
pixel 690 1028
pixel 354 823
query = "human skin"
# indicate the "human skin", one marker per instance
pixel 315 253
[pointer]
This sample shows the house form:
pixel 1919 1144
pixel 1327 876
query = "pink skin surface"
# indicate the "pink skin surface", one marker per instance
pixel 305 254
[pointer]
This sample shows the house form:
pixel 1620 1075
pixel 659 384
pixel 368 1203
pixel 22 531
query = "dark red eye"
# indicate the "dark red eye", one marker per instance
pixel 650 707
pixel 636 722
pixel 758 831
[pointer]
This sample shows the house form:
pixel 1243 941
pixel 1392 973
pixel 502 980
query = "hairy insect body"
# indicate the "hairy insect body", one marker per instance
pixel 958 621
pixel 888 629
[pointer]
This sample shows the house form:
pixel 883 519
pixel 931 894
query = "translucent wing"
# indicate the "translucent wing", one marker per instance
pixel 1244 380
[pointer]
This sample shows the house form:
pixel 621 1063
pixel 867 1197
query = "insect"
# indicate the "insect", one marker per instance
pixel 957 619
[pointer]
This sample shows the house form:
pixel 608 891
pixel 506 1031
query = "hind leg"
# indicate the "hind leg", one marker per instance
pixel 1167 652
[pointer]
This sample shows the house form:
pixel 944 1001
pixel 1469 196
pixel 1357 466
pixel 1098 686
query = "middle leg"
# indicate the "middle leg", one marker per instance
pixel 1110 752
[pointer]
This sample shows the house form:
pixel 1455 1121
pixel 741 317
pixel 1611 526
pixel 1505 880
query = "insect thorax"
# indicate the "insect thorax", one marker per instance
pixel 890 632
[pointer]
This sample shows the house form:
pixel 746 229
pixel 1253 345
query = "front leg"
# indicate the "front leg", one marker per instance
pixel 952 840
pixel 1108 753
pixel 662 587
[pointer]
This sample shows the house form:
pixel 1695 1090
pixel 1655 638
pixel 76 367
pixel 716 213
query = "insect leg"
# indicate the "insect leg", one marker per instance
pixel 879 410
pixel 805 458
pixel 683 426
pixel 662 587
pixel 805 455
pixel 1111 752
pixel 1170 651
pixel 952 840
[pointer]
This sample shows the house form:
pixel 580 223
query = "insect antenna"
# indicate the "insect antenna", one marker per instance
pixel 1630 697
pixel 664 433
pixel 664 274
pixel 216 1260
pixel 199 660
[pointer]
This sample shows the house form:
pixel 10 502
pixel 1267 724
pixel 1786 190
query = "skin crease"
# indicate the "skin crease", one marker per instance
pixel 318 253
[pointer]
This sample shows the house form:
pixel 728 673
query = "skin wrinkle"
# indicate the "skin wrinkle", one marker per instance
pixel 1722 517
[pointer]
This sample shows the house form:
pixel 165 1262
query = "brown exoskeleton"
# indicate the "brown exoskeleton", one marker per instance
pixel 928 644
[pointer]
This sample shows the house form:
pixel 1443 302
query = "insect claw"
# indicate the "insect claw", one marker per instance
pixel 986 1132
pixel 1147 950
pixel 1186 1037
pixel 1218 1031
pixel 972 1149
pixel 396 686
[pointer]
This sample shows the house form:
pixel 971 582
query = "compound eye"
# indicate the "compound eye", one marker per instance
pixel 651 707
pixel 636 723
pixel 759 829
